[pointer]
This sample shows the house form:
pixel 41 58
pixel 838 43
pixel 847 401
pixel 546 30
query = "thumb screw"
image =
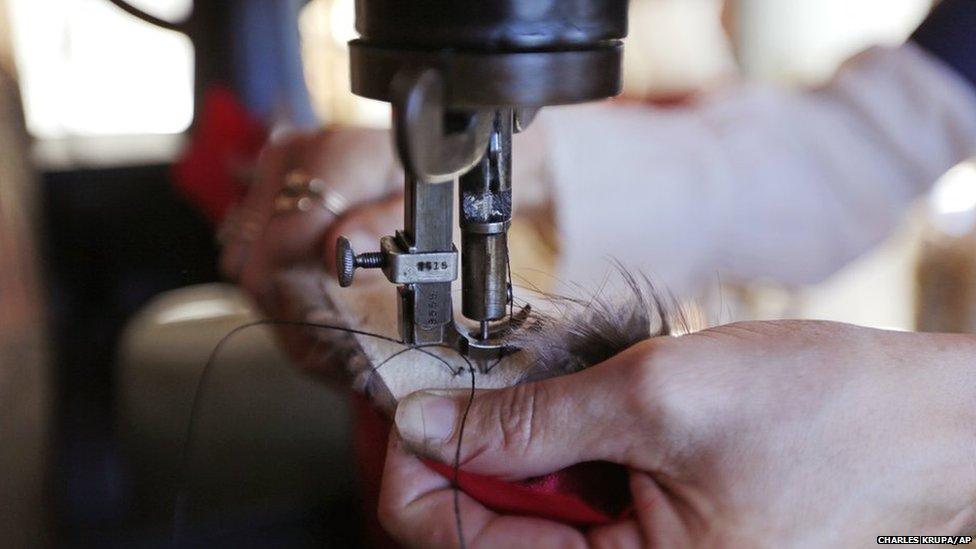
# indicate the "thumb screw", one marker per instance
pixel 347 261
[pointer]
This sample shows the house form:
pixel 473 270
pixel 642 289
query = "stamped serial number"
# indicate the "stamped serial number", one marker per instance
pixel 423 266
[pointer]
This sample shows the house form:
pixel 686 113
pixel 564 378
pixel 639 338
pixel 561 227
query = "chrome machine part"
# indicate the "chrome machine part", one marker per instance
pixel 486 213
pixel 399 267
pixel 463 76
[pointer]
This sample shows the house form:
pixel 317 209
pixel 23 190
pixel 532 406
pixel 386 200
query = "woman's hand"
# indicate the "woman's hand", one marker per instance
pixel 283 259
pixel 791 433
pixel 357 164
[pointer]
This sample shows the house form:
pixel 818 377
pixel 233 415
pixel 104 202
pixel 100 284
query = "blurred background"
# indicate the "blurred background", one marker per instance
pixel 109 296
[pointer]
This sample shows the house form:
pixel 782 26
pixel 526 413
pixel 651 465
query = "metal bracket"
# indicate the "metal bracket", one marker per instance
pixel 403 267
pixel 494 347
pixel 429 150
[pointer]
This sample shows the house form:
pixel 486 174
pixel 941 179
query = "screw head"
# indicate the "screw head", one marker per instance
pixel 345 262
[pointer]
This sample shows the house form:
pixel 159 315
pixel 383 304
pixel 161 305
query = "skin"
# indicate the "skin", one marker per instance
pixel 304 240
pixel 282 269
pixel 790 433
pixel 794 433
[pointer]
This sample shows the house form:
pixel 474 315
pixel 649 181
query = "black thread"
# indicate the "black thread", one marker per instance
pixel 180 506
pixel 457 465
pixel 511 284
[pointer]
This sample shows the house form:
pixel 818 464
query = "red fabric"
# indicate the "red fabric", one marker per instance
pixel 588 494
pixel 371 431
pixel 226 141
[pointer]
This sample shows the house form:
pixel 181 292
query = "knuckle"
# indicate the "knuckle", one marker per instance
pixel 515 420
pixel 644 380
pixel 604 538
pixel 396 521
pixel 643 399
pixel 652 395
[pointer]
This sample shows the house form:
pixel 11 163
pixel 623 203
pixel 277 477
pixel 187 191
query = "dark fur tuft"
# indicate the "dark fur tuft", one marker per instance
pixel 584 333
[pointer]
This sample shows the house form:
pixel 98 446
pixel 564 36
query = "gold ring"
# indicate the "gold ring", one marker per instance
pixel 302 192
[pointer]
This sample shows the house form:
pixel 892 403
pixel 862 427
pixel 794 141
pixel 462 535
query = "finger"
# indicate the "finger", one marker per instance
pixel 656 521
pixel 300 237
pixel 534 428
pixel 659 522
pixel 294 237
pixel 310 236
pixel 622 535
pixel 416 504
pixel 281 238
pixel 287 240
pixel 255 208
pixel 359 163
pixel 417 509
pixel 356 164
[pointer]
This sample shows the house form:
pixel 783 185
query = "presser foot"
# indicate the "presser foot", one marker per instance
pixel 486 352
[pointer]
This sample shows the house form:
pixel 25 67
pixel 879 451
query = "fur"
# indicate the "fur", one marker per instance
pixel 584 333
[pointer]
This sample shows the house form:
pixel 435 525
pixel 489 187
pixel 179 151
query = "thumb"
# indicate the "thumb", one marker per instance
pixel 531 429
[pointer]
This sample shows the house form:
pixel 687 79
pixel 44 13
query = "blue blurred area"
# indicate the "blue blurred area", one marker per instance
pixel 268 72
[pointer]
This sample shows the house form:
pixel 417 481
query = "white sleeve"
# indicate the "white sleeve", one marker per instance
pixel 755 181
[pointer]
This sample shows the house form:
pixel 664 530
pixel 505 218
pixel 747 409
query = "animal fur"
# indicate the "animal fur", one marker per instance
pixel 573 335
pixel 585 333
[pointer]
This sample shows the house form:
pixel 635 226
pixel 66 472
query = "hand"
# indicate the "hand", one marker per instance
pixel 356 163
pixel 791 433
pixel 283 265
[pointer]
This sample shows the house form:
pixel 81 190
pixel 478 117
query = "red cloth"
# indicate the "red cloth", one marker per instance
pixel 588 494
pixel 371 431
pixel 212 172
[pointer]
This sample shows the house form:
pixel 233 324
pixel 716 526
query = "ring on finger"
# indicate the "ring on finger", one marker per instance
pixel 302 193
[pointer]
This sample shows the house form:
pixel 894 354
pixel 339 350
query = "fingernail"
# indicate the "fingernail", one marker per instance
pixel 424 418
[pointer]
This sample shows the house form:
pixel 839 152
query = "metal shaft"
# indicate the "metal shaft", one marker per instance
pixel 486 214
pixel 426 308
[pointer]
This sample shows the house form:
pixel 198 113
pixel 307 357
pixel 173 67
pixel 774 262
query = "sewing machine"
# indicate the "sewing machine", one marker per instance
pixel 463 76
